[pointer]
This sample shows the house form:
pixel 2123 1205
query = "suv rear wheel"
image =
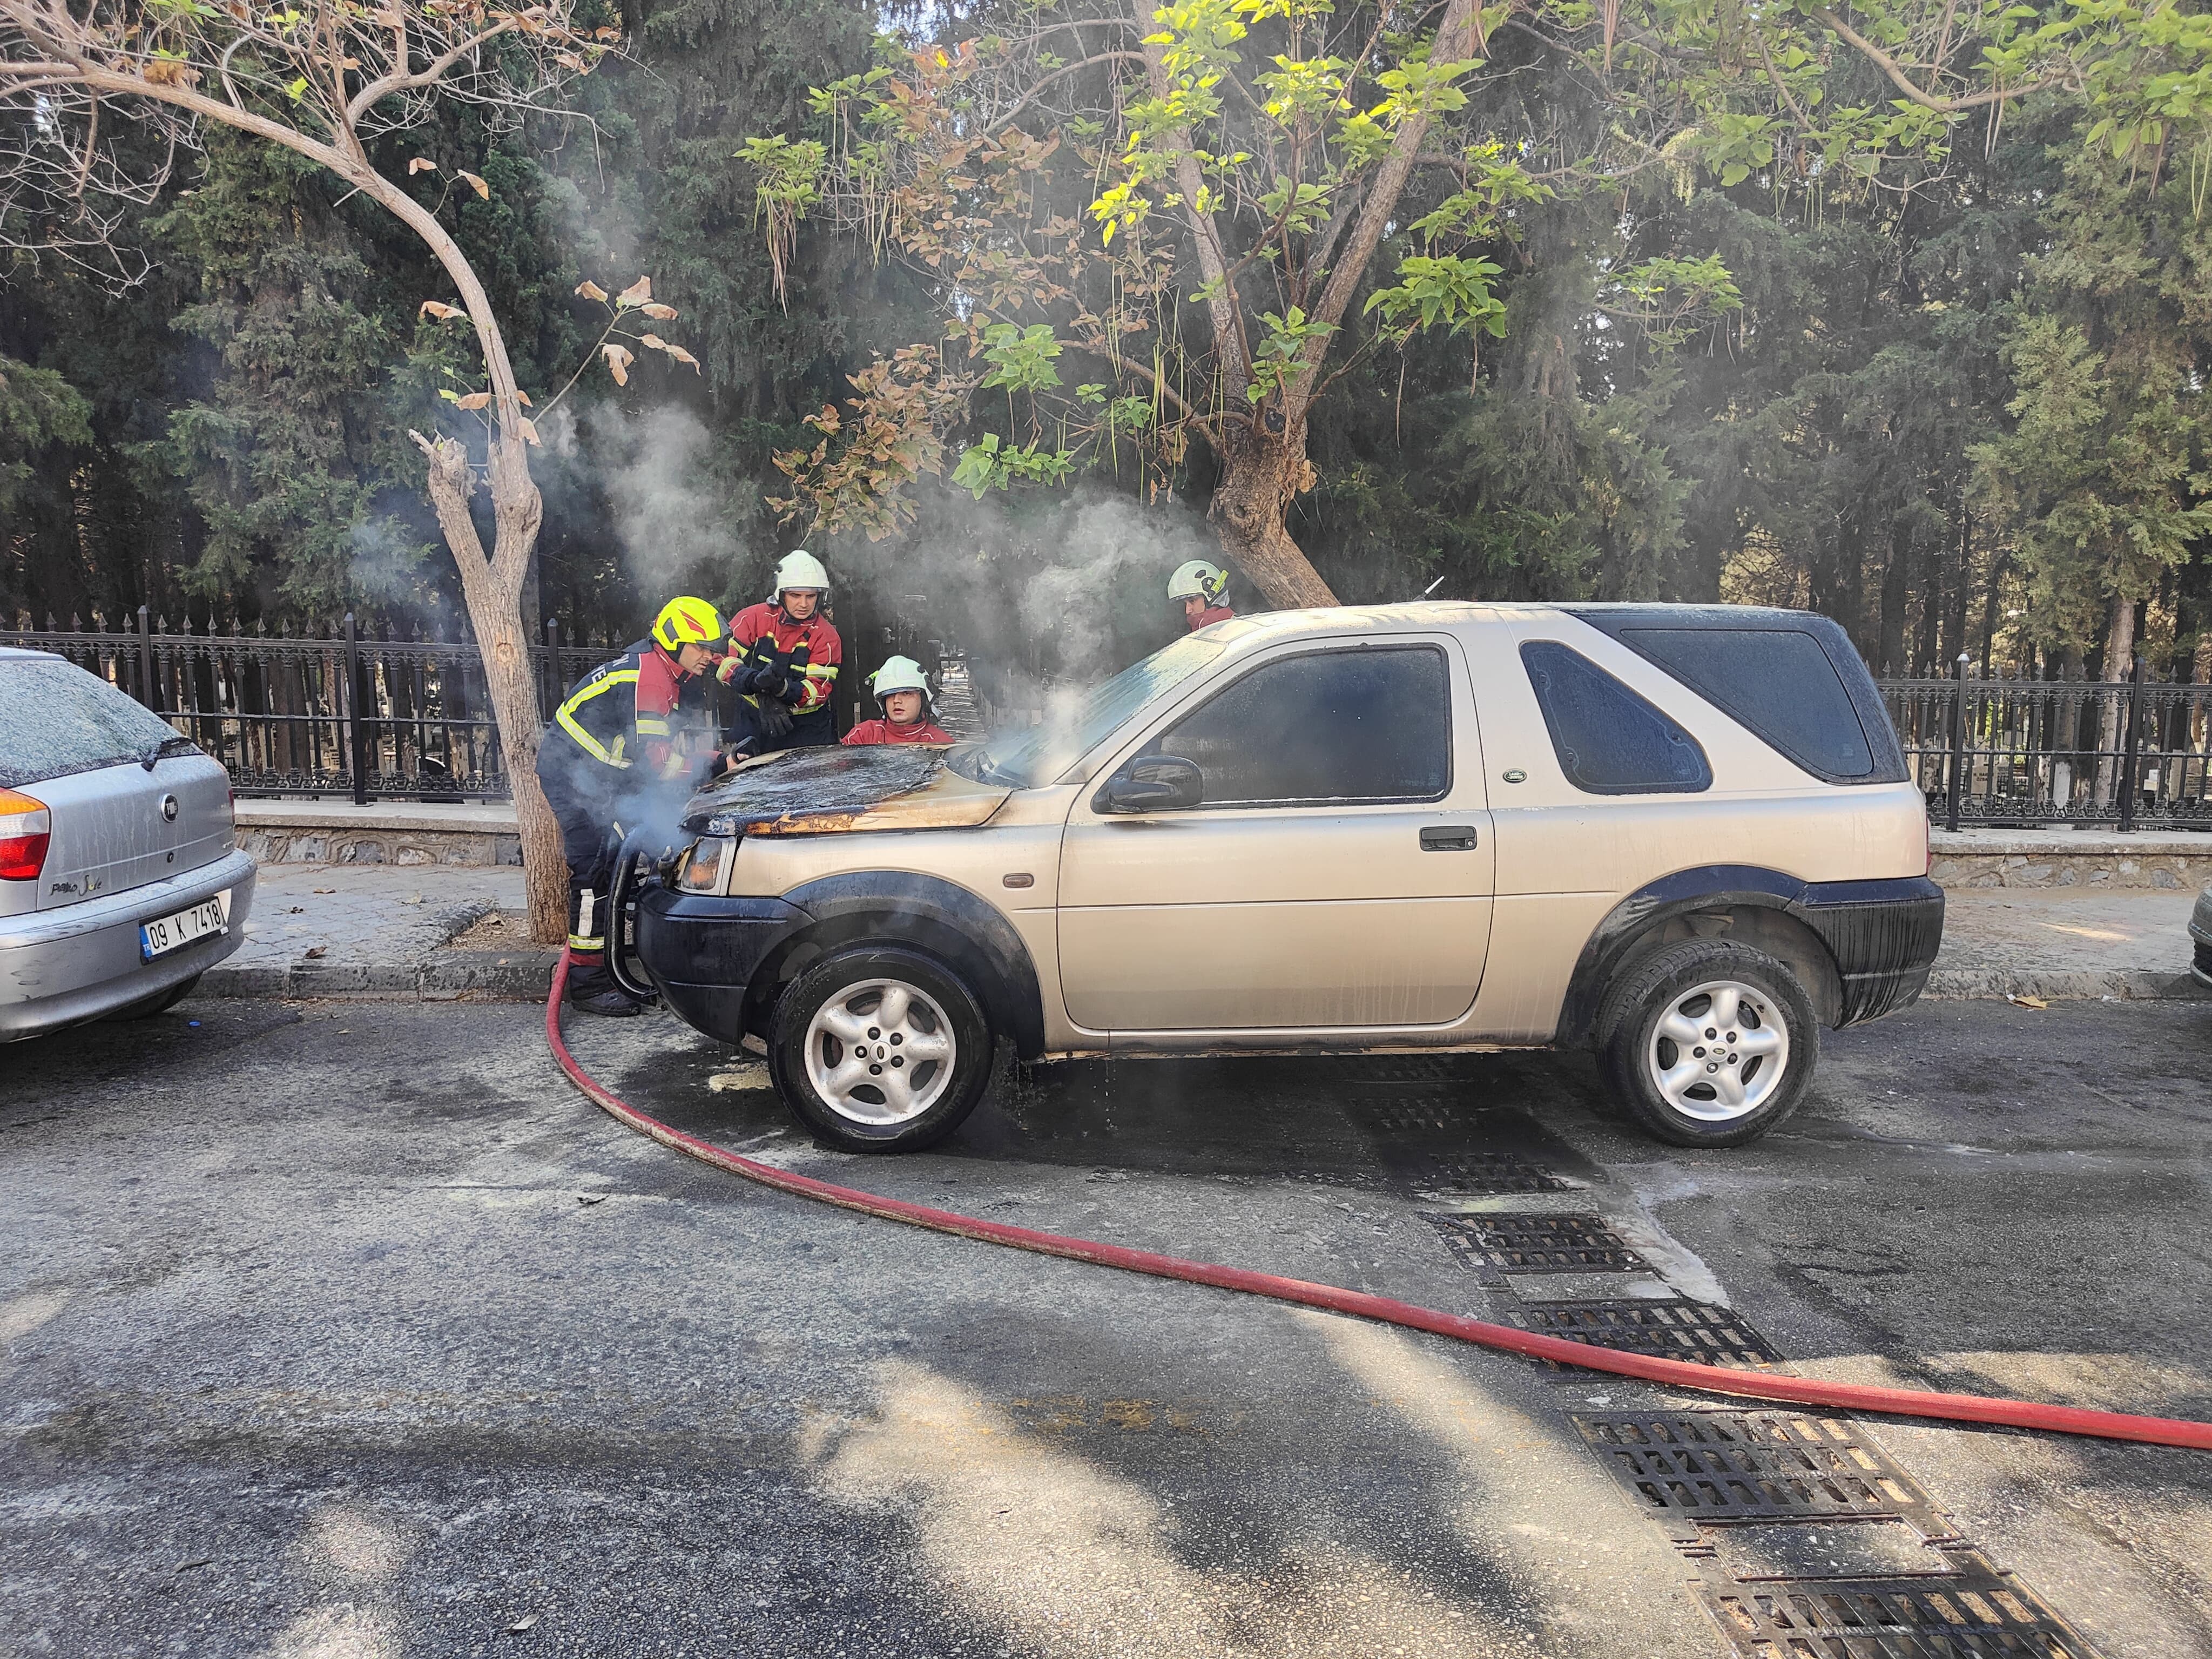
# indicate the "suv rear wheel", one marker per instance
pixel 880 1048
pixel 1708 1043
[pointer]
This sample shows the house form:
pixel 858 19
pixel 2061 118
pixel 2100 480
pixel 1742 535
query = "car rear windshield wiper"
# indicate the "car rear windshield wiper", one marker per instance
pixel 156 751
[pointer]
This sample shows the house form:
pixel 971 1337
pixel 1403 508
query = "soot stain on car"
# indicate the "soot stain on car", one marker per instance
pixel 817 791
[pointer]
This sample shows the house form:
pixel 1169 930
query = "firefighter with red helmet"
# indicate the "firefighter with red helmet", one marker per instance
pixel 902 689
pixel 783 659
pixel 631 730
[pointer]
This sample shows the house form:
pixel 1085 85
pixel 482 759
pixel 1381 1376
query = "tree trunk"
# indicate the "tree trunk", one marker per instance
pixel 492 589
pixel 2119 644
pixel 1261 472
pixel 1890 651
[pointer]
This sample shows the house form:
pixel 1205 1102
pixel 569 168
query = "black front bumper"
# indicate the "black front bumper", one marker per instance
pixel 1883 935
pixel 703 953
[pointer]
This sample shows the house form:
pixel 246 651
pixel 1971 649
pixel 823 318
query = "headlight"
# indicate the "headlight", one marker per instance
pixel 702 865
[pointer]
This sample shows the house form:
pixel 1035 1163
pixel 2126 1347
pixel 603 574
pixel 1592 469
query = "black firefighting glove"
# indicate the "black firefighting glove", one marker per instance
pixel 767 681
pixel 773 720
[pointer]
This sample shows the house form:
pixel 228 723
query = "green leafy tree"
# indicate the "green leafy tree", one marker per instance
pixel 38 407
pixel 326 82
pixel 1193 202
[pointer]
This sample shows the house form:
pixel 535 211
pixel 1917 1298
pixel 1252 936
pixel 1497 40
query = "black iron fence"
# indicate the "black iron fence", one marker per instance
pixel 342 712
pixel 354 713
pixel 2003 753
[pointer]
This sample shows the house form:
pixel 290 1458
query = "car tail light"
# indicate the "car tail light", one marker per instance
pixel 25 827
pixel 1927 846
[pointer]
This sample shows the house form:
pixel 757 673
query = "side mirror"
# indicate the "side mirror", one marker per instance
pixel 1152 783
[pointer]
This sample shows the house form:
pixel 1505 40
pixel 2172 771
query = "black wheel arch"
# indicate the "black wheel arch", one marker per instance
pixel 927 912
pixel 1745 904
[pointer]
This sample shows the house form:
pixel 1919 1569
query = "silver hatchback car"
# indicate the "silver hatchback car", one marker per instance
pixel 120 879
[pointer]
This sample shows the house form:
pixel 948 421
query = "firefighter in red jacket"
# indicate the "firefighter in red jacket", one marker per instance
pixel 1199 588
pixel 904 689
pixel 631 732
pixel 783 661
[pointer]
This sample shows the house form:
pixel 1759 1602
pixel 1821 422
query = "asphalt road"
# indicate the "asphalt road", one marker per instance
pixel 349 1331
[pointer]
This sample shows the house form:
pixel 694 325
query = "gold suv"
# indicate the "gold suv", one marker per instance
pixel 1683 835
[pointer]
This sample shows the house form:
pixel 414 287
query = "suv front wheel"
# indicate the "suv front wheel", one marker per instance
pixel 1708 1043
pixel 880 1048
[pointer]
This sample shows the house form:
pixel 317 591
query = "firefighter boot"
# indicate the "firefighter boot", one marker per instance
pixel 593 990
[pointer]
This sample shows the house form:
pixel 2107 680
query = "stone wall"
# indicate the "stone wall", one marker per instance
pixel 2047 858
pixel 395 832
pixel 352 844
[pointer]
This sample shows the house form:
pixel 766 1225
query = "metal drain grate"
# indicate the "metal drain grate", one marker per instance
pixel 1978 1617
pixel 1408 1068
pixel 1493 1244
pixel 1715 1467
pixel 1420 1117
pixel 1695 1331
pixel 1488 1171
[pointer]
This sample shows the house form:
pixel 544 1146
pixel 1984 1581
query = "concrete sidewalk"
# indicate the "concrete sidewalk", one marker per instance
pixel 423 932
pixel 2065 943
pixel 374 930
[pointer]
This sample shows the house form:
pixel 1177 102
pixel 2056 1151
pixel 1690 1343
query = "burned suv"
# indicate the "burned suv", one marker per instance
pixel 1681 835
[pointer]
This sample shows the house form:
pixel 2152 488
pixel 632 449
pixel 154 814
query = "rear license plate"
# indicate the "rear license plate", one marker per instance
pixel 210 916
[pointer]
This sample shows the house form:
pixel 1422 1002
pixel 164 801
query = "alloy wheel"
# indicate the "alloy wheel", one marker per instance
pixel 1719 1051
pixel 880 1052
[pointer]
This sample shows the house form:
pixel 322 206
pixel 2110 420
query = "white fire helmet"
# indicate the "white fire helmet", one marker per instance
pixel 1199 580
pixel 898 674
pixel 799 569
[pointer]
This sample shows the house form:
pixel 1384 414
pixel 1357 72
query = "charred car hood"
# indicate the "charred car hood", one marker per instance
pixel 819 791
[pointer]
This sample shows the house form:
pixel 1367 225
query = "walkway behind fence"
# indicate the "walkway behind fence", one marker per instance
pixel 2125 754
pixel 350 713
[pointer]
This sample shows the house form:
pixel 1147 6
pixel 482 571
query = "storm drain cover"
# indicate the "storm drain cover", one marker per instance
pixel 1537 1243
pixel 1695 1467
pixel 1978 1617
pixel 1488 1171
pixel 1408 1068
pixel 1695 1331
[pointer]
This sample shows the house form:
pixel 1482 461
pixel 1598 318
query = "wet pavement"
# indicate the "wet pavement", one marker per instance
pixel 350 1329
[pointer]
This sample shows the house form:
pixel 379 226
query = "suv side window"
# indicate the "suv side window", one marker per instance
pixel 1778 682
pixel 1327 727
pixel 1609 740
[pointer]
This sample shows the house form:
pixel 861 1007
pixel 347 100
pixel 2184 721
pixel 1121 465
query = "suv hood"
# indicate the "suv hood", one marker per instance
pixel 818 792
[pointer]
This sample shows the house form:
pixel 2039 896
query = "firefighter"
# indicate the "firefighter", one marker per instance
pixel 1199 587
pixel 903 690
pixel 782 662
pixel 630 731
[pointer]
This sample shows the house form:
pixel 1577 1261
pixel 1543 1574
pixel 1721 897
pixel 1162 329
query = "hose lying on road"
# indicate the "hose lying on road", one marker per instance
pixel 1675 1373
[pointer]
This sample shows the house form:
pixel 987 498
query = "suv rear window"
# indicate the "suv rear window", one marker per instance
pixel 54 719
pixel 1329 727
pixel 1609 740
pixel 1775 682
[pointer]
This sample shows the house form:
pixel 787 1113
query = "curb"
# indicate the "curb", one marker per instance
pixel 2062 985
pixel 527 975
pixel 449 977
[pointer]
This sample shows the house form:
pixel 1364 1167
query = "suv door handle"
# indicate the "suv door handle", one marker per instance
pixel 1448 838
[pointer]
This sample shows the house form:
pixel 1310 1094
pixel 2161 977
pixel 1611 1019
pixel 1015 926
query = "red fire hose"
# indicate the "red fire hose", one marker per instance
pixel 1676 1373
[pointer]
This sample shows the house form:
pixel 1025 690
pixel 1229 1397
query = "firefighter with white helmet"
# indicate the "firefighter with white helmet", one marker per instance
pixel 783 660
pixel 1199 587
pixel 902 689
pixel 631 730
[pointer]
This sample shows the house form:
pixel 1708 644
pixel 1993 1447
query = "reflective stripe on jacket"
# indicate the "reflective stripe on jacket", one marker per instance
pixel 630 712
pixel 808 653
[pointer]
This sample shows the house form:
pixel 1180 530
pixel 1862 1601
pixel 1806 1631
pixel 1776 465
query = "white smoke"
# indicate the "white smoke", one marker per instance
pixel 672 517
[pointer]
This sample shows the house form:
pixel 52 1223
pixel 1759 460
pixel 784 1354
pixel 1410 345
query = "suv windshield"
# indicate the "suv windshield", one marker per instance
pixel 1027 758
pixel 54 719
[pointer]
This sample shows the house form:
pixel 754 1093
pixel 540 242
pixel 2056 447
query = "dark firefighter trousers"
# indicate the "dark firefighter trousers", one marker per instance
pixel 593 803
